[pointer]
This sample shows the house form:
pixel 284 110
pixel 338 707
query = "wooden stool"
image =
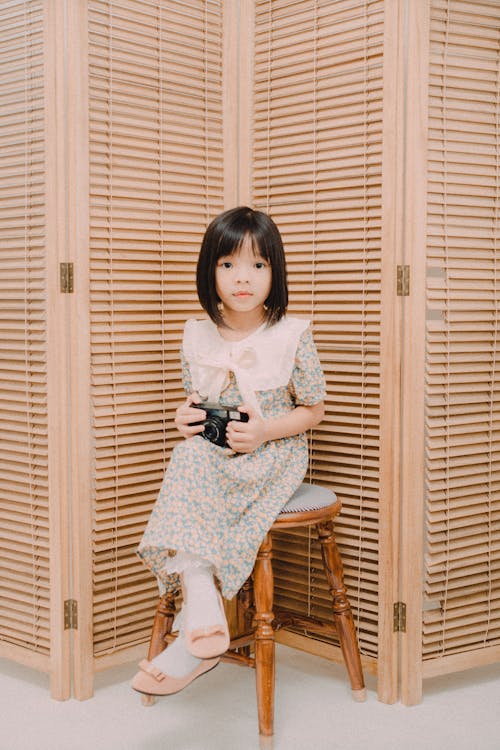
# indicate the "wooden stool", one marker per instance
pixel 311 505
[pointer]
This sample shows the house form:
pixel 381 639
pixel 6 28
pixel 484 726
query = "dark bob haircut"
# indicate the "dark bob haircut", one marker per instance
pixel 224 236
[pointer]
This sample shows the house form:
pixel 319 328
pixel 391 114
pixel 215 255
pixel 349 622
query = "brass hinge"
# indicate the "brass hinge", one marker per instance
pixel 403 281
pixel 66 275
pixel 70 614
pixel 399 617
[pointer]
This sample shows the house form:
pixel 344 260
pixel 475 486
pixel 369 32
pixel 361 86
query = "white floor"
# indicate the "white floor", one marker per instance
pixel 314 711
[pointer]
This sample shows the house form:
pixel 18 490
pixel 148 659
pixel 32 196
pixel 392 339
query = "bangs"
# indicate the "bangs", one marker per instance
pixel 232 243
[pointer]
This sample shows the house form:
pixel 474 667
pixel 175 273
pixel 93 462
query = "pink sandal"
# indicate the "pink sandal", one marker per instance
pixel 152 681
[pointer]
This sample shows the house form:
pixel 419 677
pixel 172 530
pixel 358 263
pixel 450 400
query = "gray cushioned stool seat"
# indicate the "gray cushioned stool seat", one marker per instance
pixel 309 497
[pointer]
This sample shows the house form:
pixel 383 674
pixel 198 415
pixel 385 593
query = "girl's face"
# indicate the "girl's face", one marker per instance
pixel 243 282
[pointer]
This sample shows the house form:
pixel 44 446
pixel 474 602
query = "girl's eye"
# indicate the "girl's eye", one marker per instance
pixel 226 264
pixel 260 264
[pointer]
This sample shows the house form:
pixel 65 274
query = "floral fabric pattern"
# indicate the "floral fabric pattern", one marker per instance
pixel 220 505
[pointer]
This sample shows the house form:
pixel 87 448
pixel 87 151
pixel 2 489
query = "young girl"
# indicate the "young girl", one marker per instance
pixel 216 503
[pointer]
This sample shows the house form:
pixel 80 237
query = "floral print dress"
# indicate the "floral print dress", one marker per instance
pixel 218 504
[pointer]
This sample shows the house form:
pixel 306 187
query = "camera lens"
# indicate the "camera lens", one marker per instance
pixel 215 431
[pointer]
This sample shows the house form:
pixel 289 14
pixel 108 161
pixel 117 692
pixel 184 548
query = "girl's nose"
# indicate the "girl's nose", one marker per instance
pixel 242 272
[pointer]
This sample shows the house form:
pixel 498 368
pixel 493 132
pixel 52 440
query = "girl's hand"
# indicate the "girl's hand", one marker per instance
pixel 186 415
pixel 245 437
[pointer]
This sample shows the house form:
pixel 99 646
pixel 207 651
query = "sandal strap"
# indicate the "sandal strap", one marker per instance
pixel 150 668
pixel 207 631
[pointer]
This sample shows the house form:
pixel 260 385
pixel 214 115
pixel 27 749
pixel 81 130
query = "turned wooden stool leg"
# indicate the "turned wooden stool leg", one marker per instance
pixel 264 637
pixel 162 625
pixel 344 621
pixel 245 611
pixel 245 605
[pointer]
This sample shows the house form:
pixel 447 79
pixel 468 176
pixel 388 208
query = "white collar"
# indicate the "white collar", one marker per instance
pixel 263 360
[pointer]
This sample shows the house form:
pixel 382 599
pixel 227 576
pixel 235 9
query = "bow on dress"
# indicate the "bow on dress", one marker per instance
pixel 216 370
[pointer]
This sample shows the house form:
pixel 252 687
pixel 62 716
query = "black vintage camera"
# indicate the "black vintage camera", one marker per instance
pixel 216 421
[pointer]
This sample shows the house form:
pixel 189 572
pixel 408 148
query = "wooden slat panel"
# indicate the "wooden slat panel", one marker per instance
pixel 24 511
pixel 317 171
pixel 156 180
pixel 462 583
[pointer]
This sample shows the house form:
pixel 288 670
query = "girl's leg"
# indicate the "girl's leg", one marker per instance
pixel 176 667
pixel 171 671
pixel 205 625
pixel 176 660
pixel 202 614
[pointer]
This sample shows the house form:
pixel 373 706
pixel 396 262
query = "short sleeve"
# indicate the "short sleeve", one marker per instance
pixel 307 382
pixel 187 380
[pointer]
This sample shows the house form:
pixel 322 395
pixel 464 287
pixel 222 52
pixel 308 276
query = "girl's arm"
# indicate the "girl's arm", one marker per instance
pixel 245 437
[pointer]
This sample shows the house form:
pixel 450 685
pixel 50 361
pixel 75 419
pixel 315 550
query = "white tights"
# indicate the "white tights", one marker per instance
pixel 201 609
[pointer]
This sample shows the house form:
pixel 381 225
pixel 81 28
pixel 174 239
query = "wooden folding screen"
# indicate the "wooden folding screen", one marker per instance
pixel 127 126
